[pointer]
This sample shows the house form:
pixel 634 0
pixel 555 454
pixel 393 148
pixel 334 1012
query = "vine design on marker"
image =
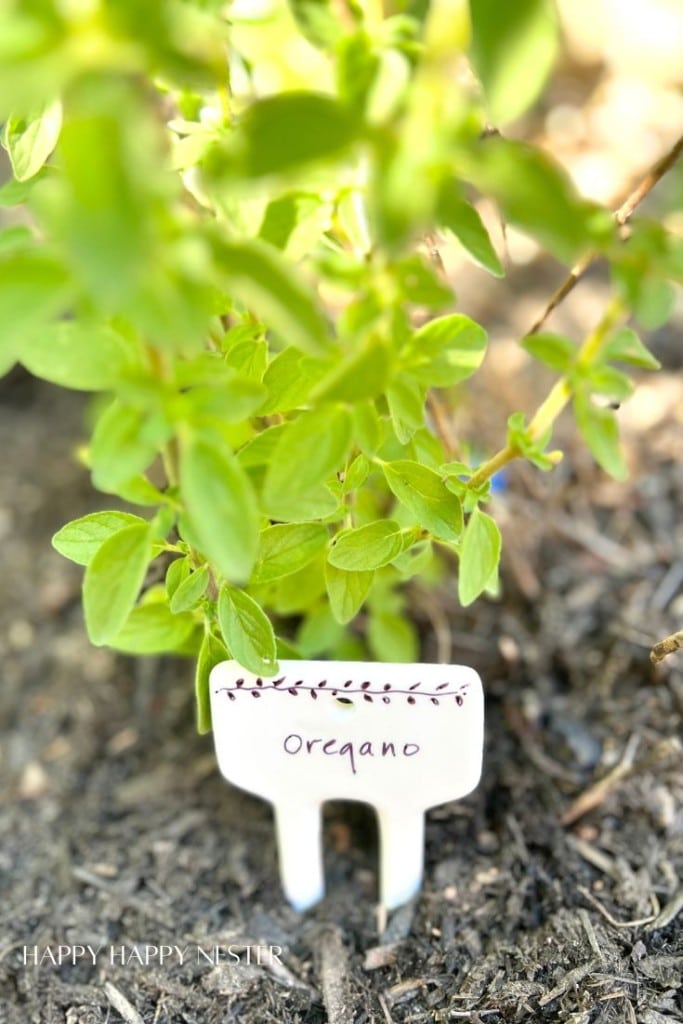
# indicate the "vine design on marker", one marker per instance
pixel 341 692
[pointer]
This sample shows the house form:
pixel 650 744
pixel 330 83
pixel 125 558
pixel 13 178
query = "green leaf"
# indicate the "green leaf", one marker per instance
pixel 299 592
pixel 33 289
pixel 420 284
pixel 221 506
pixel 124 443
pixel 553 350
pixel 259 450
pixel 77 355
pixel 140 491
pixel 284 132
pixel 445 351
pixel 319 633
pixel 190 592
pixel 368 428
pixel 535 193
pixel 309 450
pixel 426 448
pixel 177 572
pixel 33 63
pixel 231 398
pixel 295 222
pixel 286 548
pixel 513 49
pixel 601 433
pixel 393 638
pixel 16 238
pixel 606 380
pixel 406 400
pixel 247 631
pixel 289 379
pixel 425 495
pixel 528 446
pixel 318 503
pixel 82 538
pixel 113 580
pixel 368 547
pixel 260 278
pixel 357 66
pixel 30 141
pixel 352 220
pixel 7 361
pixel 317 21
pixel 347 591
pixel 626 347
pixel 415 561
pixel 153 629
pixel 163 522
pixel 106 207
pixel 211 653
pixel 460 217
pixel 356 475
pixel 249 359
pixel 479 556
pixel 15 193
pixel 287 650
pixel 654 302
pixel 357 376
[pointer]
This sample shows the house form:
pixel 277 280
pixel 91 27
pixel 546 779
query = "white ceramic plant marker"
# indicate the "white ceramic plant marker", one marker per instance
pixel 400 737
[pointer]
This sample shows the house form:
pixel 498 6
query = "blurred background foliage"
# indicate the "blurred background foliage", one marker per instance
pixel 245 228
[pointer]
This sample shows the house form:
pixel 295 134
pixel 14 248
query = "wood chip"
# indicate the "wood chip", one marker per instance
pixel 334 977
pixel 570 980
pixel 404 991
pixel 602 861
pixel 380 956
pixel 155 913
pixel 121 1004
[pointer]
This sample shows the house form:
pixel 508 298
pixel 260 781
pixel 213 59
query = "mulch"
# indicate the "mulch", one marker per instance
pixel 552 893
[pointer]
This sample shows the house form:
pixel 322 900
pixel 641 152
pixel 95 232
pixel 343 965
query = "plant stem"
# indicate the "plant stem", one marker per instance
pixel 621 215
pixel 492 465
pixel 169 462
pixel 550 408
pixel 442 425
pixel 559 396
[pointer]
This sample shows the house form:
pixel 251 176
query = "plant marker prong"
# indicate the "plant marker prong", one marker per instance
pixel 401 738
pixel 401 841
pixel 299 842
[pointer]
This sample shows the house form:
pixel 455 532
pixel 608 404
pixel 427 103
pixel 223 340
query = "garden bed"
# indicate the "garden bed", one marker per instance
pixel 545 899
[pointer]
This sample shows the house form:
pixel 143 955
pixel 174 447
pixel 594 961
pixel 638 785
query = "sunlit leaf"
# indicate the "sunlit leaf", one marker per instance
pixel 478 557
pixel 222 507
pixel 113 580
pixel 247 631
pixel 513 49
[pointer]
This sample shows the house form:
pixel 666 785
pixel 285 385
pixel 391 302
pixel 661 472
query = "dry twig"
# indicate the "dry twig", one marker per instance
pixel 621 215
pixel 597 793
pixel 665 647
pixel 668 913
pixel 608 917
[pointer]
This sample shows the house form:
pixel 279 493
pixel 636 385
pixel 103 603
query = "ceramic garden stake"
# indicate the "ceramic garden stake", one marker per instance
pixel 399 737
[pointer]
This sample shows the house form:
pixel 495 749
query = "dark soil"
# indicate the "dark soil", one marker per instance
pixel 117 830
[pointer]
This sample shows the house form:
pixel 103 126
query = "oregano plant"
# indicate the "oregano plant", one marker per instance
pixel 228 237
